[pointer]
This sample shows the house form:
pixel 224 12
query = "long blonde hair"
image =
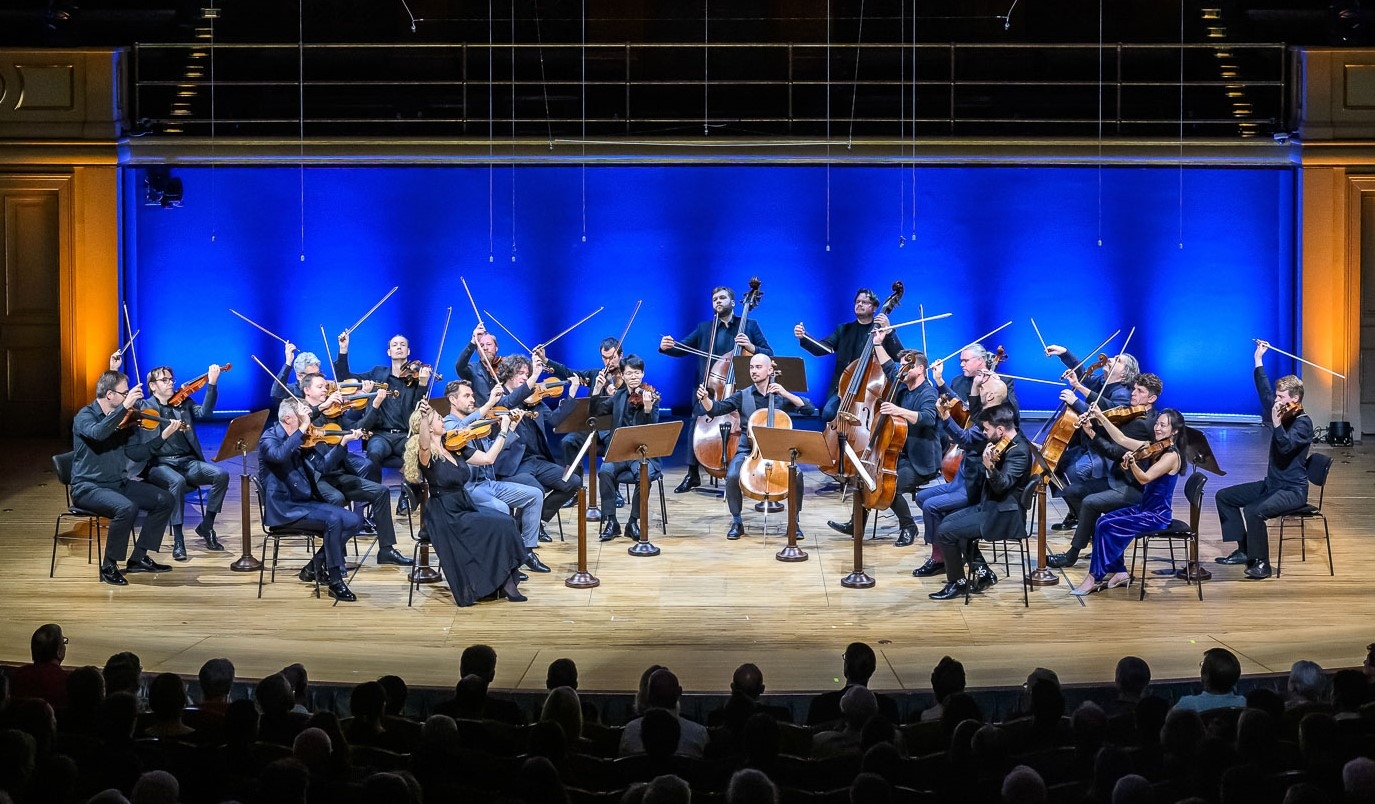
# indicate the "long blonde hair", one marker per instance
pixel 410 465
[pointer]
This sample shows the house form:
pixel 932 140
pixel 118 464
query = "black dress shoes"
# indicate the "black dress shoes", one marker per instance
pixel 520 576
pixel 145 564
pixel 178 548
pixel 109 573
pixel 632 529
pixel 610 529
pixel 1236 557
pixel 620 501
pixel 572 503
pixel 390 555
pixel 369 527
pixel 931 567
pixel 847 528
pixel 1061 560
pixel 1258 570
pixel 951 590
pixel 907 536
pixel 212 541
pixel 543 534
pixel 514 597
pixel 692 481
pixel 533 563
pixel 984 578
pixel 737 529
pixel 1070 522
pixel 402 507
pixel 340 591
pixel 307 573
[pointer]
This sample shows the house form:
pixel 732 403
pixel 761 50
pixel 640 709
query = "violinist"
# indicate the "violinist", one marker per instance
pixel 481 454
pixel 354 478
pixel 727 327
pixel 1115 530
pixel 100 482
pixel 976 363
pixel 1005 466
pixel 747 400
pixel 389 435
pixel 1090 497
pixel 1243 509
pixel 634 404
pixel 606 379
pixel 847 342
pixel 528 458
pixel 303 364
pixel 292 494
pixel 939 501
pixel 1115 382
pixel 178 463
pixel 480 374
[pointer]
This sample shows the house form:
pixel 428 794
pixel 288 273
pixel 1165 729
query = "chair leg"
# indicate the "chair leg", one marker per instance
pixel 1303 541
pixel 1198 580
pixel 1279 553
pixel 1327 537
pixel 262 566
pixel 1145 566
pixel 310 545
pixel 663 506
pixel 52 570
pixel 1026 591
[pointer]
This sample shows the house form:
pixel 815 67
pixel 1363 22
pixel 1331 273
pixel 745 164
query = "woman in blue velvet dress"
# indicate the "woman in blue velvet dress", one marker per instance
pixel 1116 529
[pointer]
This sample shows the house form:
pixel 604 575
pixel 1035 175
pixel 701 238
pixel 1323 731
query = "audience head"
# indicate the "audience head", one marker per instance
pixel 156 787
pixel 860 663
pixel 118 717
pixel 663 690
pixel 562 706
pixel 547 740
pixel 642 692
pixel 751 786
pixel 882 758
pixel 1368 666
pixel 1256 734
pixel 875 731
pixel 273 695
pixel 470 696
pixel 539 781
pixel 86 688
pixel 1131 678
pixel 216 679
pixel 762 737
pixel 283 782
pixel 1348 690
pixel 958 708
pixel 991 748
pixel 1022 785
pixel 1220 670
pixel 562 673
pixel 1307 683
pixel 478 660
pixel 34 717
pixel 857 705
pixel 18 758
pixel 1358 780
pixel 167 696
pixel 667 789
pixel 660 732
pixel 1150 715
pixel 1318 738
pixel 1089 724
pixel 1182 732
pixel 1266 700
pixel 1047 701
pixel 870 788
pixel 108 796
pixel 947 678
pixel 1305 793
pixel 1133 789
pixel 1110 764
pixel 241 722
pixel 395 689
pixel 312 748
pixel 123 672
pixel 295 674
pixel 439 730
pixel 393 788
pixel 48 645
pixel 748 681
pixel 368 701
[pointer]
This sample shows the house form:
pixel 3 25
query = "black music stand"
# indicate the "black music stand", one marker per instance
pixel 794 447
pixel 240 439
pixel 582 579
pixel 579 419
pixel 792 375
pixel 643 441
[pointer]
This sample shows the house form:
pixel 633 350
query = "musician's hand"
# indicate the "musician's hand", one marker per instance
pixel 1067 396
pixel 425 372
pixel 379 398
pixel 600 383
pixel 478 332
pixel 1055 350
pixel 799 331
pixel 743 341
pixel 666 343
pixel 509 422
pixel 336 398
pixel 290 351
pixel 881 320
pixel 425 409
pixel 133 397
pixel 889 409
pixel 936 369
pixel 775 388
pixel 1069 376
pixel 212 376
pixel 352 435
pixel 942 409
pixel 988 456
pixel 878 336
pixel 704 397
pixel 344 342
pixel 172 428
pixel 1275 418
pixel 1087 426
pixel 1261 348
pixel 116 360
pixel 574 383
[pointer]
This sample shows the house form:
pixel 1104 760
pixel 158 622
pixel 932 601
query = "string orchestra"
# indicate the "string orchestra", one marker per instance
pixel 941 447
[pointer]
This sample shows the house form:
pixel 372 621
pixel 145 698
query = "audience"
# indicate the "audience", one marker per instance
pixel 1219 672
pixel 663 692
pixel 858 666
pixel 44 678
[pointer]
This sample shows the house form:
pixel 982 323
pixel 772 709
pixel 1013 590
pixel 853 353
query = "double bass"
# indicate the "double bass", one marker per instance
pixel 880 458
pixel 760 479
pixel 714 441
pixel 862 387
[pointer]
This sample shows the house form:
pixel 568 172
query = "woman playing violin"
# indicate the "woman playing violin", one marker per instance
pixel 1116 529
pixel 634 404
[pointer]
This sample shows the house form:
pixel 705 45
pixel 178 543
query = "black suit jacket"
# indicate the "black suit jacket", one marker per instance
pixel 1003 515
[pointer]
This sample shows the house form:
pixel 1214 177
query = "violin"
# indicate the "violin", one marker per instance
pixel 546 389
pixel 193 385
pixel 955 408
pixel 354 387
pixel 326 434
pixel 1290 411
pixel 145 418
pixel 1000 448
pixel 455 440
pixel 411 369
pixel 357 401
pixel 1121 414
pixel 637 396
pixel 522 413
pixel 1146 452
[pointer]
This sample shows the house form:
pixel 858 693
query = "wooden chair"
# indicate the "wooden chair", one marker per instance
pixel 1186 532
pixel 1319 464
pixel 62 467
pixel 276 534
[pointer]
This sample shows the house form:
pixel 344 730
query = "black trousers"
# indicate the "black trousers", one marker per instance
pixel 121 505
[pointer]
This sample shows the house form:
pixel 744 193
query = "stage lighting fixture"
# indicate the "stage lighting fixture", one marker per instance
pixel 161 188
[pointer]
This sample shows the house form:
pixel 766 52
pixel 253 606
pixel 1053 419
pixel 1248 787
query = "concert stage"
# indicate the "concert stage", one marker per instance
pixel 701 607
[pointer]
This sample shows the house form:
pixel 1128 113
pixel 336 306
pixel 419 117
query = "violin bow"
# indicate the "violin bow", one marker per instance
pixel 575 326
pixel 497 321
pixel 133 353
pixel 1096 349
pixel 923 321
pixel 921 313
pixel 1113 364
pixel 330 356
pixel 1296 357
pixel 482 356
pixel 360 321
pixel 276 379
pixel 620 343
pixel 434 370
pixel 259 326
pixel 1038 336
pixel 976 340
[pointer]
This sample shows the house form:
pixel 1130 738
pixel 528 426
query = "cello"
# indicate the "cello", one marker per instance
pixel 864 385
pixel 880 458
pixel 1063 428
pixel 759 478
pixel 715 441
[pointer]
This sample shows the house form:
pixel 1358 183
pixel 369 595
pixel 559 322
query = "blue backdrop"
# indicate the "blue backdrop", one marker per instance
pixel 988 244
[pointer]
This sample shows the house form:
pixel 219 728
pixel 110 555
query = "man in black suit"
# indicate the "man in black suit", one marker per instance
pixel 388 439
pixel 481 375
pixel 625 412
pixel 746 688
pixel 528 458
pixel 292 493
pixel 999 513
pixel 100 481
pixel 859 664
pixel 847 342
pixel 178 463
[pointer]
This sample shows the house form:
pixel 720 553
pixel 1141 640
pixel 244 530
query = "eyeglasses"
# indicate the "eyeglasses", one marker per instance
pixel 168 378
pixel 125 392
pixel 65 640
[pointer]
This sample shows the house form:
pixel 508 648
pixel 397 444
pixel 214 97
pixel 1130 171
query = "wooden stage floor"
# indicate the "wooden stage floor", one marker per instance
pixel 701 607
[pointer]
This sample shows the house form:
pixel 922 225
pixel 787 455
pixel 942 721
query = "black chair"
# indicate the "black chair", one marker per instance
pixel 1027 500
pixel 276 534
pixel 62 467
pixel 626 478
pixel 1319 464
pixel 1186 532
pixel 413 508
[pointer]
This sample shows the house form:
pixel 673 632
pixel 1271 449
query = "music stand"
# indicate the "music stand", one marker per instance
pixel 582 579
pixel 1041 576
pixel 643 441
pixel 579 419
pixel 792 375
pixel 857 579
pixel 793 447
pixel 240 439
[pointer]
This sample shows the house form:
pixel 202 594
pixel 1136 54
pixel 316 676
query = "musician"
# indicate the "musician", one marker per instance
pixel 729 335
pixel 633 404
pixel 178 463
pixel 388 439
pixel 303 364
pixel 528 458
pixel 1116 382
pixel 998 514
pixel 480 375
pixel 975 360
pixel 1242 510
pixel 100 483
pixel 481 454
pixel 847 342
pixel 1090 497
pixel 292 494
pixel 987 390
pixel 354 478
pixel 605 379
pixel 747 400
pixel 920 459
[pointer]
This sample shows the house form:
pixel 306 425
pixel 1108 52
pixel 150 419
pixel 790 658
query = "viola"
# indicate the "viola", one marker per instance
pixel 1290 411
pixel 143 417
pixel 714 441
pixel 862 386
pixel 193 385
pixel 760 479
pixel 455 440
pixel 1000 448
pixel 335 409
